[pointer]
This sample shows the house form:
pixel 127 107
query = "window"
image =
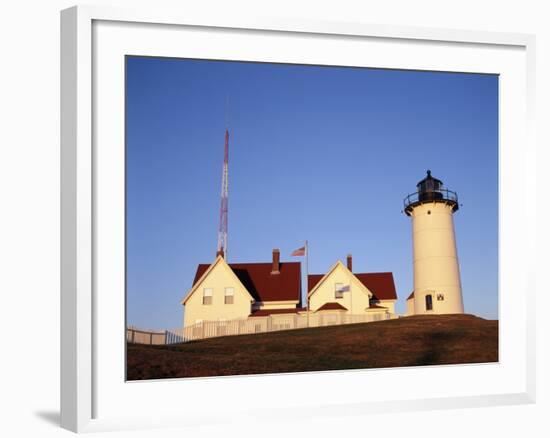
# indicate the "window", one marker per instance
pixel 440 297
pixel 339 290
pixel 207 295
pixel 229 294
pixel 429 304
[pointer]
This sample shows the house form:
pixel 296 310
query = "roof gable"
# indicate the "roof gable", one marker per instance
pixel 203 273
pixel 381 284
pixel 338 265
pixel 261 284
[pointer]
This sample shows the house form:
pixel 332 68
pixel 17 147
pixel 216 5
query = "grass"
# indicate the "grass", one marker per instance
pixel 411 341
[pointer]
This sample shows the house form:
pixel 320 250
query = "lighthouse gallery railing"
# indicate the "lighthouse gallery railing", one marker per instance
pixel 432 195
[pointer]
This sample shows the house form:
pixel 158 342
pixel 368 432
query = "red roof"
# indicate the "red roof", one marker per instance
pixel 410 296
pixel 331 306
pixel 312 280
pixel 262 284
pixel 381 284
pixel 376 306
pixel 267 312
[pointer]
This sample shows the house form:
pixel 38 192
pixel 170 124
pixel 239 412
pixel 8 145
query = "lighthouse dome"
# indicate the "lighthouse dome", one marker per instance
pixel 429 188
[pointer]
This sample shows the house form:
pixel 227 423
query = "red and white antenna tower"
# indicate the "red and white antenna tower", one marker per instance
pixel 222 231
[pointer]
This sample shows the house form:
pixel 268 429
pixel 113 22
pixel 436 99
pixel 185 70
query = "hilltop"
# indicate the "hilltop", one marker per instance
pixel 410 341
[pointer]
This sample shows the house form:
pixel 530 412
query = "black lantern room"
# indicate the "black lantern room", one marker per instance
pixel 430 189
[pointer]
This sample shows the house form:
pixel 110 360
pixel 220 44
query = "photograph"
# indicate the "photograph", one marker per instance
pixel 290 218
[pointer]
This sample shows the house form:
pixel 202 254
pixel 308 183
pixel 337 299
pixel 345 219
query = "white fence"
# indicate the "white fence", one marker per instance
pixel 138 336
pixel 273 323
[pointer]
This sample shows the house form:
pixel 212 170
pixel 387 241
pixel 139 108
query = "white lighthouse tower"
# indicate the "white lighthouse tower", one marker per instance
pixel 437 287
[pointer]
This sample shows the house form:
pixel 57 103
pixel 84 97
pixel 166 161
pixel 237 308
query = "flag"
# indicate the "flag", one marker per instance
pixel 299 252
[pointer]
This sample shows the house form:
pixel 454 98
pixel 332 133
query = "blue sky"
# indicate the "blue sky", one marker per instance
pixel 319 153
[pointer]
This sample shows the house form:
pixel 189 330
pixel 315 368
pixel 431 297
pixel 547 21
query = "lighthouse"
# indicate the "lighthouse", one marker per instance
pixel 437 286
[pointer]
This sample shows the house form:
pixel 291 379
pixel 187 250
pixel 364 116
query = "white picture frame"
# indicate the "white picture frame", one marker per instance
pixel 83 369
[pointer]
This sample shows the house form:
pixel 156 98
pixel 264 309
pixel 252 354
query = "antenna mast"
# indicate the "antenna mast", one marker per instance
pixel 222 231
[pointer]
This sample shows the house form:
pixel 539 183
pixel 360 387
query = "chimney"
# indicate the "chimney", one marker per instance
pixel 276 258
pixel 219 252
pixel 349 262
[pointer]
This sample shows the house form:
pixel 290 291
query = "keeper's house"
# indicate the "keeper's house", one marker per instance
pixel 225 292
pixel 355 293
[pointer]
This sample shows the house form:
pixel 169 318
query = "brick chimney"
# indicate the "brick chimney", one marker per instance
pixel 350 266
pixel 219 252
pixel 276 261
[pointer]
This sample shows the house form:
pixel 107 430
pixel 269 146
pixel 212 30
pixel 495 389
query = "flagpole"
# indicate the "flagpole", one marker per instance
pixel 307 284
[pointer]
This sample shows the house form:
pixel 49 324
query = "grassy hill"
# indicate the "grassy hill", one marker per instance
pixel 411 341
